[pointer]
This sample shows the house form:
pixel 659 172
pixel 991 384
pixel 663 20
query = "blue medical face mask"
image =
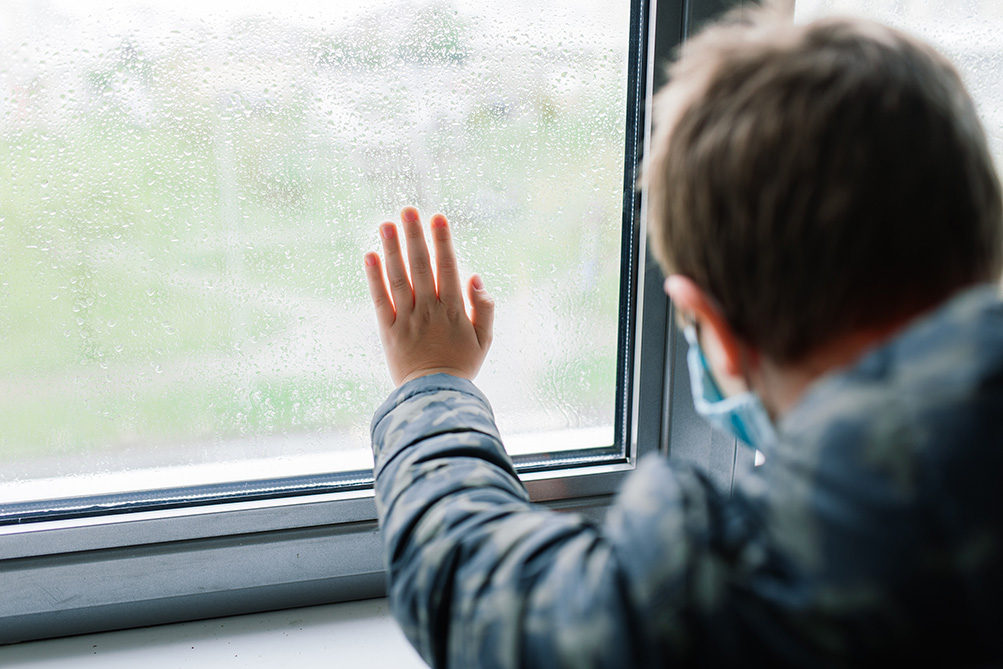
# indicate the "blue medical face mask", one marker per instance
pixel 742 415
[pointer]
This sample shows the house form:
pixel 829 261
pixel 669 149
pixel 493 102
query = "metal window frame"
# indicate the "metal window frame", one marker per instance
pixel 80 573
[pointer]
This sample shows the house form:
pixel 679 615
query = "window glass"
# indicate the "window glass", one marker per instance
pixel 969 32
pixel 186 191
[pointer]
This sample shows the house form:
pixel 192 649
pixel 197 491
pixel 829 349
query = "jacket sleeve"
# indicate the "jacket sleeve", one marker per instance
pixel 481 577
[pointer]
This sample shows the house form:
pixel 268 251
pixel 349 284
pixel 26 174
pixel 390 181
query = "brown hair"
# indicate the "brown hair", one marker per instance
pixel 816 179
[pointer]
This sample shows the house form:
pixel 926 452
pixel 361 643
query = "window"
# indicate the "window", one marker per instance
pixel 189 363
pixel 190 187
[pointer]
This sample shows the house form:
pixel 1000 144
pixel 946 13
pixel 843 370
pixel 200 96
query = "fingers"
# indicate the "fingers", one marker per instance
pixel 378 291
pixel 447 274
pixel 482 311
pixel 400 286
pixel 417 253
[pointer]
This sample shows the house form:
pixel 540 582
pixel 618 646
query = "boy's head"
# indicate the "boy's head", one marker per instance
pixel 818 180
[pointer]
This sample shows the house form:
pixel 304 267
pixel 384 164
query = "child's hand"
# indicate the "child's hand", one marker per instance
pixel 422 321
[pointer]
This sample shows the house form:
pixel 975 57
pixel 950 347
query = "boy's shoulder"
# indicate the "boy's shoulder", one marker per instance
pixel 900 453
pixel 945 367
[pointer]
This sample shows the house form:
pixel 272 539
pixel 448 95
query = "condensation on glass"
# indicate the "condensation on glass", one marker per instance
pixel 969 32
pixel 187 189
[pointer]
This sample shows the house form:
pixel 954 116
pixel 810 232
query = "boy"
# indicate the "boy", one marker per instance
pixel 826 210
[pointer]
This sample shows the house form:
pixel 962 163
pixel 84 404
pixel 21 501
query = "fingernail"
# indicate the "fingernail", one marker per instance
pixel 478 284
pixel 387 230
pixel 370 259
pixel 410 214
pixel 438 221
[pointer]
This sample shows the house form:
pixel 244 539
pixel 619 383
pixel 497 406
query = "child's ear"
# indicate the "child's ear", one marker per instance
pixel 721 345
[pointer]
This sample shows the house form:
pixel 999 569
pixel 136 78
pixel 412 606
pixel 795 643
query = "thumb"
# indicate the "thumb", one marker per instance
pixel 482 310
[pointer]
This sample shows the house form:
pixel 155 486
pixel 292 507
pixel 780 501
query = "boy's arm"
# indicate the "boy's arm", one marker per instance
pixel 480 577
pixel 456 521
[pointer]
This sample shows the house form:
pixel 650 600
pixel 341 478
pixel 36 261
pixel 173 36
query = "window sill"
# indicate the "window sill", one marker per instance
pixel 354 634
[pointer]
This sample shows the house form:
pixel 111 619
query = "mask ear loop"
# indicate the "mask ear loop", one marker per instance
pixel 694 324
pixel 691 331
pixel 691 322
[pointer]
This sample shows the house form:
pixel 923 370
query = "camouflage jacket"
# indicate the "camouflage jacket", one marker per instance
pixel 870 535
